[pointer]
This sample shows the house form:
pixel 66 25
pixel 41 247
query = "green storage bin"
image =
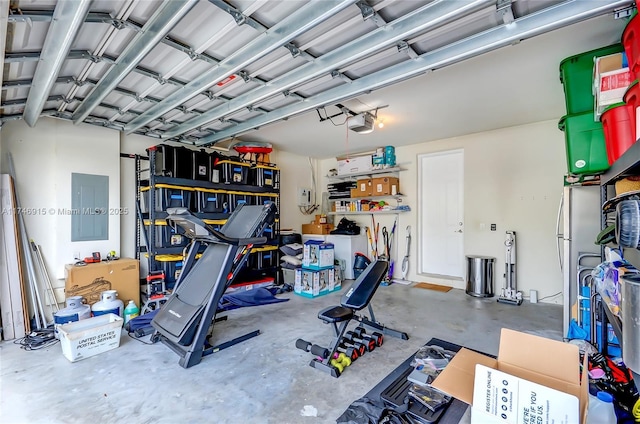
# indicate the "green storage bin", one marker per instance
pixel 585 145
pixel 576 76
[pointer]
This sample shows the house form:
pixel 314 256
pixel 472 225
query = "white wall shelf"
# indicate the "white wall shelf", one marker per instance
pixel 393 170
pixel 380 197
pixel 383 212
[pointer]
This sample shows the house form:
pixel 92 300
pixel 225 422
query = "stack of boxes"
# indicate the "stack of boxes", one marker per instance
pixel 318 275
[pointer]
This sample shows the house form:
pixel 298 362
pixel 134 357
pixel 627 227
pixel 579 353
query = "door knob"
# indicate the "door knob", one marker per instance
pixel 458 231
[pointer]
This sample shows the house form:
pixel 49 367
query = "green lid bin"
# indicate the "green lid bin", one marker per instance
pixel 576 76
pixel 584 142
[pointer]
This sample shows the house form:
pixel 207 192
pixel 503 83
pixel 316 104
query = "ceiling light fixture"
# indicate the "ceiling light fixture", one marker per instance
pixel 380 123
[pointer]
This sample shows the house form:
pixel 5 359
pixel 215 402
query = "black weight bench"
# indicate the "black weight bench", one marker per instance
pixel 355 299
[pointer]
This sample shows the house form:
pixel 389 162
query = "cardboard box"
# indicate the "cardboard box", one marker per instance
pixel 364 188
pixel 611 79
pixel 314 283
pixel 317 254
pixel 316 228
pixel 89 337
pixel 88 281
pixel 386 186
pixel 320 219
pixel 354 164
pixel 529 361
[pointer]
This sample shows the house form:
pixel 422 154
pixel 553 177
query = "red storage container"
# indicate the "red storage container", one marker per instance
pixel 618 130
pixel 631 43
pixel 632 98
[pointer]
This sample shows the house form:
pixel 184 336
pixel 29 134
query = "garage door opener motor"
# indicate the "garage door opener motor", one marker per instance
pixel 510 293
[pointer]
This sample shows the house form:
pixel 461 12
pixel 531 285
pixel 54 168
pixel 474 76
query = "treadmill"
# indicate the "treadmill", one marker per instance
pixel 184 321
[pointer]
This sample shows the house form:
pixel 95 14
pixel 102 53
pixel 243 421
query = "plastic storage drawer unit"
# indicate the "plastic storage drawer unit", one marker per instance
pixel 576 75
pixel 584 143
pixel 212 201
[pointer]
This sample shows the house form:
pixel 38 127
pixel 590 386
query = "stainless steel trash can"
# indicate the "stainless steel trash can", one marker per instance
pixel 480 276
pixel 630 311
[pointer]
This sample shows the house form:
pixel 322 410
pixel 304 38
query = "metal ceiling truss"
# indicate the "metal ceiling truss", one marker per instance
pixel 537 23
pixel 67 18
pixel 432 15
pixel 280 34
pixel 163 20
pixel 201 111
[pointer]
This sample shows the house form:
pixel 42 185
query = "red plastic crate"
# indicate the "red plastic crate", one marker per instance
pixel 631 43
pixel 618 130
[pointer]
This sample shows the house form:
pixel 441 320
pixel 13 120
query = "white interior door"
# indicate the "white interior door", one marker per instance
pixel 441 213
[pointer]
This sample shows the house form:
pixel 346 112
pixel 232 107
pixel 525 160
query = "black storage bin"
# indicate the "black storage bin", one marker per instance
pixel 164 160
pixel 267 258
pixel 237 198
pixel 270 231
pixel 253 260
pixel 172 270
pixel 166 236
pixel 166 197
pixel 262 199
pixel 212 201
pixel 290 239
pixel 201 165
pixel 233 172
pixel 183 163
pixel 266 176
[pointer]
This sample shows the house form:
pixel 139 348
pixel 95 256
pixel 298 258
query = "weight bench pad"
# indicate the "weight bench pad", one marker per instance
pixel 365 286
pixel 335 314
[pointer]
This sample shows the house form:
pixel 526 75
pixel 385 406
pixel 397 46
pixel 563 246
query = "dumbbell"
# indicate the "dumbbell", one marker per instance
pixel 350 352
pixel 378 337
pixel 359 347
pixel 316 350
pixel 369 342
pixel 342 359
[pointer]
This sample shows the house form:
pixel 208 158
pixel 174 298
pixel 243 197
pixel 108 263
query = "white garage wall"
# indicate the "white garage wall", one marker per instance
pixel 45 157
pixel 513 178
pixel 295 172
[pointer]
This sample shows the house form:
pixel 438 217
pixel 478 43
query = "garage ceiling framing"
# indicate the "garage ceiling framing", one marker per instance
pixel 201 72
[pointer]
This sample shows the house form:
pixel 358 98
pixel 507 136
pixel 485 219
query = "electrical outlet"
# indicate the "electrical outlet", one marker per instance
pixel 493 227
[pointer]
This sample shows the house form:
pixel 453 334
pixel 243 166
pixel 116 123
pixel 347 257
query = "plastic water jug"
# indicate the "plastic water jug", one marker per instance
pixel 108 304
pixel 601 409
pixel 75 311
pixel 131 311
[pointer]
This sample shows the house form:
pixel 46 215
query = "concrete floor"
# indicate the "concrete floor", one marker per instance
pixel 262 380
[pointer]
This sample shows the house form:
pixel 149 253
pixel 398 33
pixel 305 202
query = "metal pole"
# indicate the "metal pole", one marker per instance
pixel 31 275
